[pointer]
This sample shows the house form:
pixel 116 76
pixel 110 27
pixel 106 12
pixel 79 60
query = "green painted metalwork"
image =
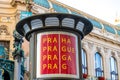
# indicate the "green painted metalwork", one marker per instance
pixel 22 70
pixel 109 29
pixel 95 23
pixel 75 13
pixel 8 67
pixel 18 53
pixel 1 73
pixel 59 8
pixel 7 64
pixel 43 3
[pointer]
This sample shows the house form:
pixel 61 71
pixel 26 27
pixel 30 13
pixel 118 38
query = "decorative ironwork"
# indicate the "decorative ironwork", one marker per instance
pixel 18 52
pixel 7 65
pixel 18 55
pixel 7 68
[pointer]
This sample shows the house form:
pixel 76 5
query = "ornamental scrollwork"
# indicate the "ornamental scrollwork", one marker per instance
pixel 90 45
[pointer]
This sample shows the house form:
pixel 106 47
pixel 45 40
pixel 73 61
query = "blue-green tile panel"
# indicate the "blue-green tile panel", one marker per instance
pixel 25 14
pixel 43 3
pixel 118 32
pixel 76 13
pixel 95 23
pixel 109 29
pixel 59 8
pixel 2 50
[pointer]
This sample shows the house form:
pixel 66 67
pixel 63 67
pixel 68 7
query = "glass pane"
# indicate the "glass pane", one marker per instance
pixel 84 58
pixel 113 77
pixel 98 61
pixel 84 63
pixel 113 67
pixel 112 64
pixel 98 65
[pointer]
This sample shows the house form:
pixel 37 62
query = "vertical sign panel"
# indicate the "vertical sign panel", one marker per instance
pixel 68 54
pixel 49 54
pixel 57 55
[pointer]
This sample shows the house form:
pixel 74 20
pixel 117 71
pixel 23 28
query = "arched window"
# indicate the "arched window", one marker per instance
pixel 84 62
pixel 98 65
pixel 113 69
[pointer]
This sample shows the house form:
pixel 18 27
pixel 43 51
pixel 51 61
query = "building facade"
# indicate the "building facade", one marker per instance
pixel 100 49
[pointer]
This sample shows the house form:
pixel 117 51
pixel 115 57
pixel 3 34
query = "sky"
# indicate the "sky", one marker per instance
pixel 106 10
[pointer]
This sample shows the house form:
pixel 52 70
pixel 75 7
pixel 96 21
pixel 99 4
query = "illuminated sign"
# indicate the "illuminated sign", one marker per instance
pixel 57 55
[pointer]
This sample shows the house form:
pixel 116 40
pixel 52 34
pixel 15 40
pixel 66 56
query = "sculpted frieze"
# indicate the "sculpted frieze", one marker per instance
pixel 4 30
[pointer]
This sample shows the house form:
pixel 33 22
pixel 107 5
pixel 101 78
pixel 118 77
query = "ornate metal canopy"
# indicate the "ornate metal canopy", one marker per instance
pixel 56 21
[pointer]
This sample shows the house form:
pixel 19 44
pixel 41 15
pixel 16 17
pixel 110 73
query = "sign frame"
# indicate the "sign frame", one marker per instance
pixel 41 76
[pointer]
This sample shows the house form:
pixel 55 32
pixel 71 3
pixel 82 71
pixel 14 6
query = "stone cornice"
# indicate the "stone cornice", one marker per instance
pixel 115 41
pixel 6 1
pixel 7 11
pixel 86 41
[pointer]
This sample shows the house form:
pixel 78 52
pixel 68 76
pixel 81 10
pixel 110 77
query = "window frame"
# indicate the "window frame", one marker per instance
pixel 113 73
pixel 98 65
pixel 84 60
